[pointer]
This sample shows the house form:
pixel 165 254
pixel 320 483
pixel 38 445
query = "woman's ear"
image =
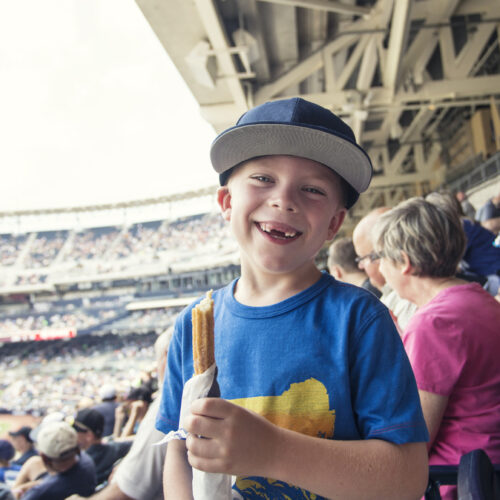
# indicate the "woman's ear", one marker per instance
pixel 406 267
pixel 224 201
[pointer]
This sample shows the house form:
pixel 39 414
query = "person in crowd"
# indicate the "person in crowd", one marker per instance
pixel 481 257
pixel 453 340
pixel 322 360
pixel 69 470
pixel 31 473
pixel 34 469
pixel 23 444
pixel 139 474
pixel 489 214
pixel 130 413
pixel 368 261
pixel 343 266
pixel 467 207
pixel 107 408
pixel 7 453
pixel 89 425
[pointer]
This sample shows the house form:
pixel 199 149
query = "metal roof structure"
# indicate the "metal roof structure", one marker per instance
pixel 403 73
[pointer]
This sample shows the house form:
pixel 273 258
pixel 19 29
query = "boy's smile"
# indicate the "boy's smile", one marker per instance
pixel 278 232
pixel 282 209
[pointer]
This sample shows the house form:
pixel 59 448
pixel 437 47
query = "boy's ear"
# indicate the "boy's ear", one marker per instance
pixel 336 272
pixel 224 201
pixel 335 223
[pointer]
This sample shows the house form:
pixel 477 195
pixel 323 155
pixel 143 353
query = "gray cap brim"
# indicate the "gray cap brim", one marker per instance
pixel 242 143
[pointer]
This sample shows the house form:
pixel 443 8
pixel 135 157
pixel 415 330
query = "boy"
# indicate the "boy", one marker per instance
pixel 300 356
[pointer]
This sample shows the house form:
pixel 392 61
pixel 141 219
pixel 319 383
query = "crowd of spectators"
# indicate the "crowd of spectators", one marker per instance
pixel 44 249
pixel 10 247
pixel 145 320
pixel 115 249
pixel 79 319
pixel 72 451
pixel 57 375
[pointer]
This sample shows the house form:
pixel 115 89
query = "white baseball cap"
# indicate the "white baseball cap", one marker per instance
pixel 57 439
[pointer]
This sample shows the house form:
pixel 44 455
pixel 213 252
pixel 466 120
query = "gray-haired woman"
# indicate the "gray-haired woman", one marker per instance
pixel 453 340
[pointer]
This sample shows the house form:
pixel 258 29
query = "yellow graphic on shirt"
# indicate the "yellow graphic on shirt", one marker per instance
pixel 304 408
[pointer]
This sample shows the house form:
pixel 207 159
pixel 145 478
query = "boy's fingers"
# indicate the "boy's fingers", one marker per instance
pixel 201 447
pixel 201 425
pixel 211 407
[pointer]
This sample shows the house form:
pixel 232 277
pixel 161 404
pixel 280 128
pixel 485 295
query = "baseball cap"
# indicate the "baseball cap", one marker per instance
pixel 89 419
pixel 294 127
pixel 7 451
pixel 22 431
pixel 140 393
pixel 56 440
pixel 56 416
pixel 107 392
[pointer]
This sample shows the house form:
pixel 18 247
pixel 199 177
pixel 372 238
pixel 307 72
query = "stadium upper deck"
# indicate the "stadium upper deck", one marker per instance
pixel 38 261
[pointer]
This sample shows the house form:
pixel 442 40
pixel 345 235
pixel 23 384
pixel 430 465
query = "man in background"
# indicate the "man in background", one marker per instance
pixel 69 471
pixel 401 310
pixel 107 408
pixel 89 425
pixel 489 214
pixel 343 266
pixel 23 444
pixel 467 207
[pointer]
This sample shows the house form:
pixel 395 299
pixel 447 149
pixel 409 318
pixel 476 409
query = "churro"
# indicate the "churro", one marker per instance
pixel 202 317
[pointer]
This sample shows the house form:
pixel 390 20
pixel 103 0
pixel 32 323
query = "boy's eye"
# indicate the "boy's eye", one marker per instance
pixel 314 190
pixel 261 178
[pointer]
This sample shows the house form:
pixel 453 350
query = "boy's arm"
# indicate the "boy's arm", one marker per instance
pixel 177 475
pixel 241 442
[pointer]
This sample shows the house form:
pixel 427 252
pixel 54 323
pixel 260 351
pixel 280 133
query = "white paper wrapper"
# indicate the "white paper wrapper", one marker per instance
pixel 206 485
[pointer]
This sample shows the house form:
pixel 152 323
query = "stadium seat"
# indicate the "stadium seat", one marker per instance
pixel 475 476
pixel 440 475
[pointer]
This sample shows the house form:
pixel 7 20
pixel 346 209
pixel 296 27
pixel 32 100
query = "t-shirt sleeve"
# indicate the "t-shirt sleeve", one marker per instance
pixel 384 392
pixel 436 353
pixel 168 415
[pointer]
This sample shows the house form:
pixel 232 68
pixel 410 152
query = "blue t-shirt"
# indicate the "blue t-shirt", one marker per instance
pixel 80 479
pixel 482 257
pixel 327 362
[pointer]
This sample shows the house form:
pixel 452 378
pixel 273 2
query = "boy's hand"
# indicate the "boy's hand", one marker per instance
pixel 235 441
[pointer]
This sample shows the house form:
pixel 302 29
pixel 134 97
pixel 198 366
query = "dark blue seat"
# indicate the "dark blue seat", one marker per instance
pixel 476 478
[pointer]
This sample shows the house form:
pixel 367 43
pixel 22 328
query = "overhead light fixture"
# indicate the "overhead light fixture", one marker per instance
pixel 202 60
pixel 247 46
pixel 202 64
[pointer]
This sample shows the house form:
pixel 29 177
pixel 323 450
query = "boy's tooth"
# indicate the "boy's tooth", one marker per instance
pixel 268 229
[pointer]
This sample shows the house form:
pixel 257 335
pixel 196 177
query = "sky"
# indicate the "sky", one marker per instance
pixel 92 110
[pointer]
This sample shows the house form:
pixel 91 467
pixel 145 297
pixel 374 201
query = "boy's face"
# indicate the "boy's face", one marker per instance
pixel 282 209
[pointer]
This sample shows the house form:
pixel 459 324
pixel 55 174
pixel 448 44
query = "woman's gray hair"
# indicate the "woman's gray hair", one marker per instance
pixel 433 238
pixel 162 342
pixel 447 201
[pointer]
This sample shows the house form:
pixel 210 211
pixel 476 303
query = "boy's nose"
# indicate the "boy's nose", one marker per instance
pixel 283 199
pixel 285 204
